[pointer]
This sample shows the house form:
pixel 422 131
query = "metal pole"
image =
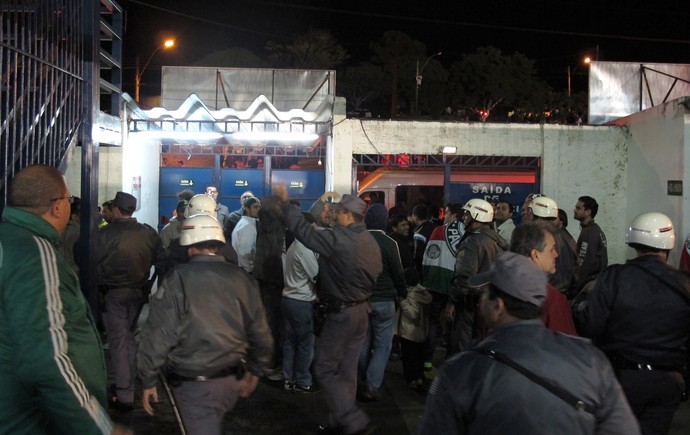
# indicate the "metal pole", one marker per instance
pixel 171 398
pixel 418 81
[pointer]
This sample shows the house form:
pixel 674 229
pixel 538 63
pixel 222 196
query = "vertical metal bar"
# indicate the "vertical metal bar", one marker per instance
pixel 89 175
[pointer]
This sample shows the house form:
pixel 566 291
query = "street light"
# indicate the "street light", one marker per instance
pixel 587 60
pixel 418 77
pixel 169 43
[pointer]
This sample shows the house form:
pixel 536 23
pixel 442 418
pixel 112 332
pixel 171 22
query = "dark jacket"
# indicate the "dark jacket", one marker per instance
pixel 476 254
pixel 349 258
pixel 564 276
pixel 639 311
pixel 270 245
pixel 592 255
pixel 391 282
pixel 206 316
pixel 124 252
pixel 405 248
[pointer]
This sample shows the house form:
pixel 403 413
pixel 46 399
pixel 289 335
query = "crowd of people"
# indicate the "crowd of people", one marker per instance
pixel 319 300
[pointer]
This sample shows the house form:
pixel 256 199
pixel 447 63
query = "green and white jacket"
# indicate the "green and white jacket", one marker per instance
pixel 52 366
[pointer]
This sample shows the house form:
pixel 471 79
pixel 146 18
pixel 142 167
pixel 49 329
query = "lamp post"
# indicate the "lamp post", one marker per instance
pixel 418 78
pixel 586 61
pixel 169 43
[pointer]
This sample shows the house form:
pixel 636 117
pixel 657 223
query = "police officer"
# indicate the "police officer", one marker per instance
pixel 125 251
pixel 481 391
pixel 349 263
pixel 478 248
pixel 205 318
pixel 638 314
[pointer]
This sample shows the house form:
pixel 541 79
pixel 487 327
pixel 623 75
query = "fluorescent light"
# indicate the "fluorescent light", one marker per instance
pixel 449 150
pixel 275 136
pixel 179 135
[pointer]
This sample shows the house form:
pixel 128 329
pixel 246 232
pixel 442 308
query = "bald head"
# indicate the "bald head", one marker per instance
pixel 41 190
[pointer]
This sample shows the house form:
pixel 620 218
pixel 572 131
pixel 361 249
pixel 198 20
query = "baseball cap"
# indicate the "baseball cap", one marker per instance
pixel 515 275
pixel 353 204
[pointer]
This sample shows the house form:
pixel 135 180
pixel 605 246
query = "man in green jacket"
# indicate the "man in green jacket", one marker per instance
pixel 52 369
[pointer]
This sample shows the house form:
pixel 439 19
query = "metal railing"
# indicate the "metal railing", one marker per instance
pixel 41 67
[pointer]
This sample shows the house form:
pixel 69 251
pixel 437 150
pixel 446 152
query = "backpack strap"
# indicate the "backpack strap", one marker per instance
pixel 556 390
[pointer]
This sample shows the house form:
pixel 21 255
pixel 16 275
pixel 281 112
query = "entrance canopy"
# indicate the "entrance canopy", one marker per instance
pixel 260 124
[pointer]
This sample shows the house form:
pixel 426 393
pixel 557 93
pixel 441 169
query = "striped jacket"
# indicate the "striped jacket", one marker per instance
pixel 52 367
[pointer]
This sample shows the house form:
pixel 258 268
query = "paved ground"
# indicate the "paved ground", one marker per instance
pixel 271 411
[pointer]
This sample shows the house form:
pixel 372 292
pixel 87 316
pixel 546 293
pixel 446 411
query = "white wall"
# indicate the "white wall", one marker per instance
pixel 658 138
pixel 142 160
pixel 109 173
pixel 624 167
pixel 576 161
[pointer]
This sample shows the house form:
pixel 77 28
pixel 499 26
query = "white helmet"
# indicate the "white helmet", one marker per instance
pixel 201 204
pixel 480 210
pixel 651 229
pixel 201 228
pixel 544 207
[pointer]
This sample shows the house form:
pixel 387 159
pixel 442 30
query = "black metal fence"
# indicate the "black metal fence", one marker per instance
pixel 41 70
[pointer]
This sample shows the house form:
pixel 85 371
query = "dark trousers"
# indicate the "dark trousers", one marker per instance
pixel 204 404
pixel 272 298
pixel 654 396
pixel 412 356
pixel 435 327
pixel 122 306
pixel 335 366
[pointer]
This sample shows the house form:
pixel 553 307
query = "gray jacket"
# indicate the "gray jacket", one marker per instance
pixel 206 316
pixel 477 252
pixel 475 394
pixel 349 257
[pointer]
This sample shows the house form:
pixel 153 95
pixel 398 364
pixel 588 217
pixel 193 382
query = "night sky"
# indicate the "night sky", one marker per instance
pixel 553 33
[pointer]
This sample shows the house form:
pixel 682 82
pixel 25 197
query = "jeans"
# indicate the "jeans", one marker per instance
pixel 377 344
pixel 298 346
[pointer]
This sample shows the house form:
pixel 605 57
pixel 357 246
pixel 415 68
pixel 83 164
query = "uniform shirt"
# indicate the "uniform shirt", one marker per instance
pixel 349 258
pixel 633 313
pixel 475 394
pixel 476 254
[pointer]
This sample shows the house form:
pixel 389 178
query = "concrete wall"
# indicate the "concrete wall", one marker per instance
pixel 109 173
pixel 624 166
pixel 114 175
pixel 657 144
pixel 576 160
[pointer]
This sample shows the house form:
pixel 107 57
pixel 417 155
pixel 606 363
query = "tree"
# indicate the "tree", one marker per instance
pixel 362 84
pixel 397 53
pixel 317 49
pixel 486 80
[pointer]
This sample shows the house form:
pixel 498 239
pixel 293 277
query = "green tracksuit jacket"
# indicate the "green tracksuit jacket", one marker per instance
pixel 52 367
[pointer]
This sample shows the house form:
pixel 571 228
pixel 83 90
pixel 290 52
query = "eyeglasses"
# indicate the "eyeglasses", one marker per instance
pixel 68 198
